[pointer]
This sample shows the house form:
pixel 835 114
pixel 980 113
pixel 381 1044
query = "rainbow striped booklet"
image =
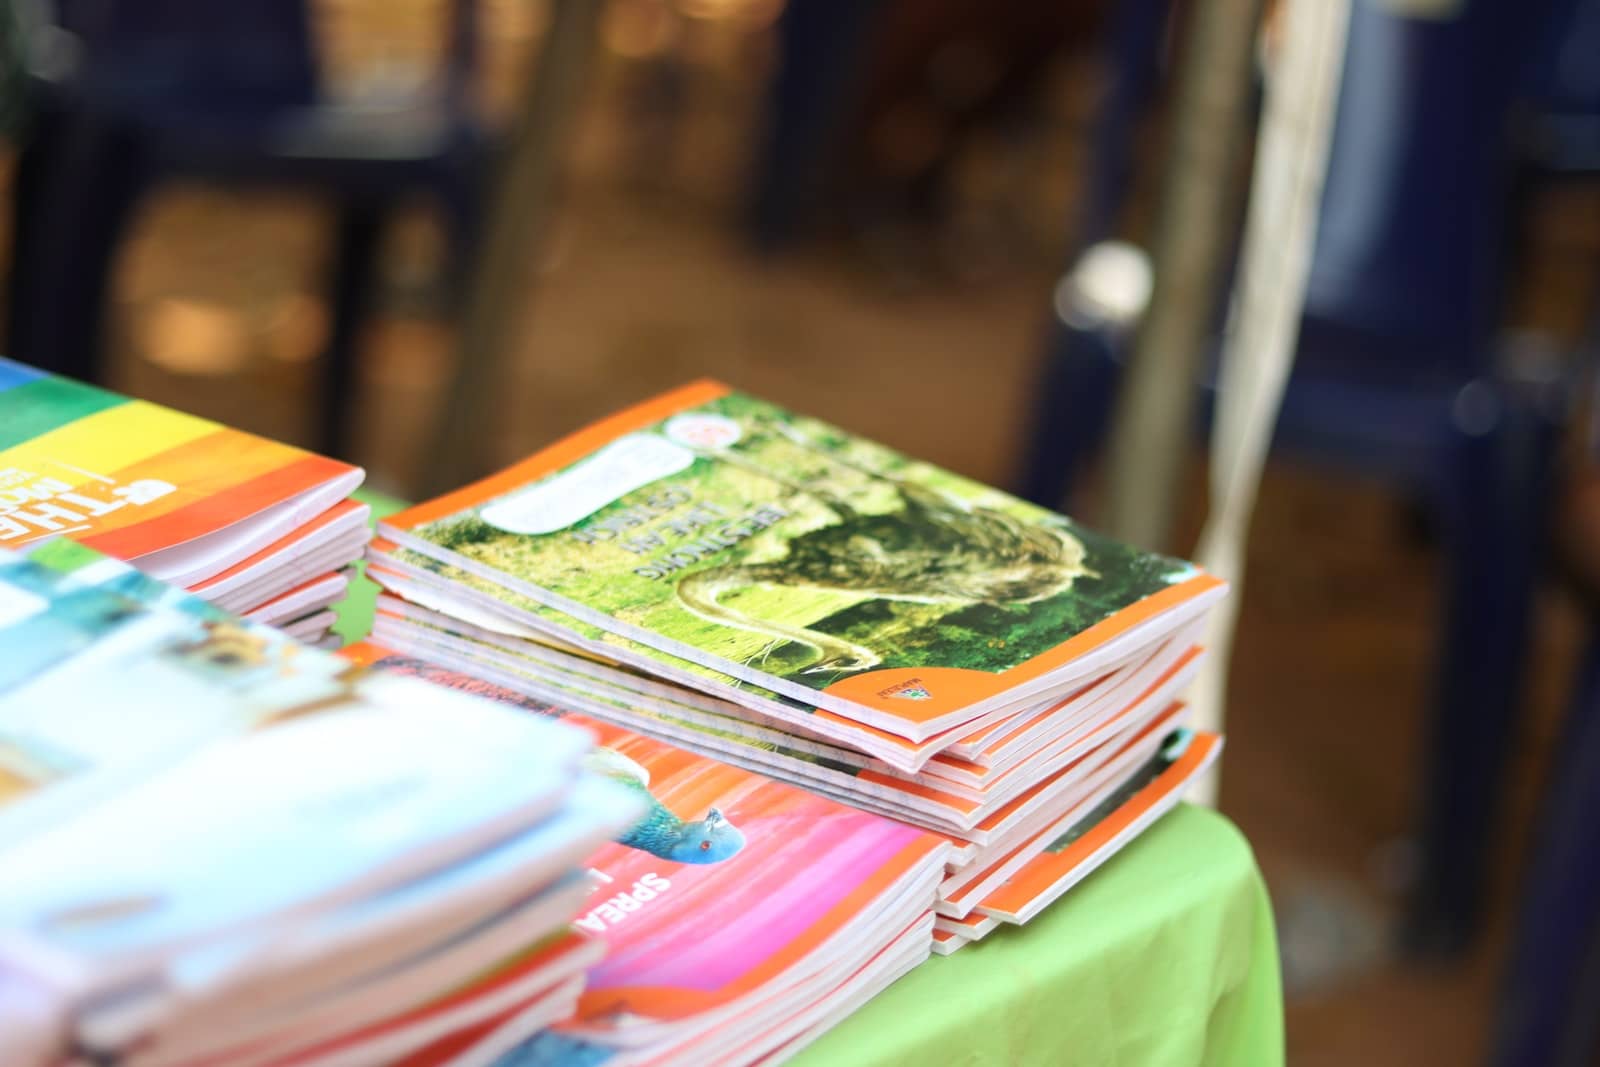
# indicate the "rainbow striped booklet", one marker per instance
pixel 235 517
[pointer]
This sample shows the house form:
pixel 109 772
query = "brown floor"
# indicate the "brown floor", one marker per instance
pixel 646 286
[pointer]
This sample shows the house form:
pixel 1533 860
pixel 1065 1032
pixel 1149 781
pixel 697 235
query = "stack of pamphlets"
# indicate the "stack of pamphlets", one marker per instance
pixel 711 570
pixel 741 916
pixel 260 528
pixel 224 847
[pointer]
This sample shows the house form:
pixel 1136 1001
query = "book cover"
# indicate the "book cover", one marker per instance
pixel 1144 797
pixel 1102 775
pixel 922 799
pixel 323 591
pixel 794 555
pixel 729 883
pixel 325 542
pixel 84 635
pixel 138 481
pixel 121 701
pixel 423 579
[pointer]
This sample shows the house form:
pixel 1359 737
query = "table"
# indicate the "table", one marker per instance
pixel 1166 957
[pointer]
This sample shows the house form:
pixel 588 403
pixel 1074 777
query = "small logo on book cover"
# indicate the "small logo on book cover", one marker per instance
pixel 696 430
pixel 910 689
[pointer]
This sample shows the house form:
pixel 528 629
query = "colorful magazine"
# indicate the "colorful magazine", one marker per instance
pixel 1143 799
pixel 635 696
pixel 922 799
pixel 998 749
pixel 536 988
pixel 797 883
pixel 784 552
pixel 122 701
pixel 479 608
pixel 327 542
pixel 183 496
pixel 346 1015
pixel 946 943
pixel 1103 776
pixel 427 581
pixel 321 592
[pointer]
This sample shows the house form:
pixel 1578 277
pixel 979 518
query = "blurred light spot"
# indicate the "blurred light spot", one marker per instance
pixel 1394 865
pixel 1111 283
pixel 745 11
pixel 908 138
pixel 1476 409
pixel 408 354
pixel 759 14
pixel 558 247
pixel 963 72
pixel 191 337
pixel 297 329
pixel 636 29
pixel 517 20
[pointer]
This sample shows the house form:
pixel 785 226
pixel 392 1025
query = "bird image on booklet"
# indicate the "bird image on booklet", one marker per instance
pixel 661 833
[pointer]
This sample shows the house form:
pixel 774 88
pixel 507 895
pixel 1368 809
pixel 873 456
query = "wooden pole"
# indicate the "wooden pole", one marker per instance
pixel 523 206
pixel 1258 350
pixel 1154 416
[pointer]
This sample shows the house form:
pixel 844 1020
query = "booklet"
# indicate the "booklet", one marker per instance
pixel 562 644
pixel 535 988
pixel 443 587
pixel 1104 776
pixel 332 1013
pixel 122 701
pixel 183 496
pixel 921 799
pixel 797 883
pixel 628 696
pixel 319 593
pixel 1141 800
pixel 787 553
pixel 328 541
pixel 630 699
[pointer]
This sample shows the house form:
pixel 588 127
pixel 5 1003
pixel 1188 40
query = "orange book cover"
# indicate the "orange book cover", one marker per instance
pixel 1143 798
pixel 778 550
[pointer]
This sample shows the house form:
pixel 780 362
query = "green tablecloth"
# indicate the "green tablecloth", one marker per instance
pixel 1166 957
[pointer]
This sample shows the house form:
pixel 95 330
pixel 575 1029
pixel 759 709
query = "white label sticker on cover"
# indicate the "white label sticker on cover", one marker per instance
pixel 18 604
pixel 616 470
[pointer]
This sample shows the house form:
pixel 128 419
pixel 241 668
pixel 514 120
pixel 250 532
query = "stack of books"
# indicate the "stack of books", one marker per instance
pixel 262 529
pixel 713 571
pixel 741 916
pixel 222 846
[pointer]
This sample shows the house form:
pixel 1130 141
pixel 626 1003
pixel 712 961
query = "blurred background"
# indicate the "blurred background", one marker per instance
pixel 931 222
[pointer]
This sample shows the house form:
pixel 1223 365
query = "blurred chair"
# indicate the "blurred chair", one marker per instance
pixel 1562 135
pixel 873 102
pixel 1400 374
pixel 1546 1015
pixel 822 53
pixel 128 93
pixel 1551 983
